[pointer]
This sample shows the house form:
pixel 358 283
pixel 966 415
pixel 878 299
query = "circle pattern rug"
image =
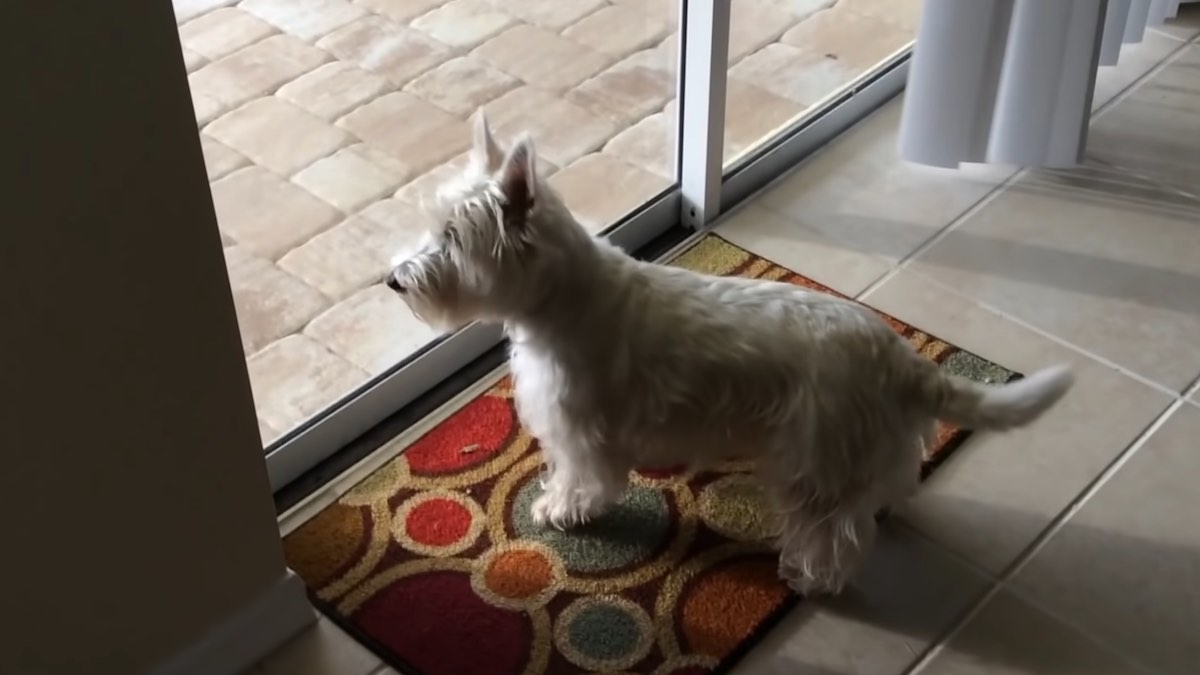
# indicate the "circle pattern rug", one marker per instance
pixel 432 561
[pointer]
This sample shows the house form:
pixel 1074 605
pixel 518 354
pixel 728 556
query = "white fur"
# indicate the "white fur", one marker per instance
pixel 621 364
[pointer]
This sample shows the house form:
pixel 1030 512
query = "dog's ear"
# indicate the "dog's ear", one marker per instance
pixel 517 178
pixel 485 153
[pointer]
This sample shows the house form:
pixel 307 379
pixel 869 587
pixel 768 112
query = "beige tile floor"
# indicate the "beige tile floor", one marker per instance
pixel 326 123
pixel 1070 547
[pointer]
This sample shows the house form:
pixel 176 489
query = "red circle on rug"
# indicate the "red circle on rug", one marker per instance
pixel 438 522
pixel 469 438
pixel 437 623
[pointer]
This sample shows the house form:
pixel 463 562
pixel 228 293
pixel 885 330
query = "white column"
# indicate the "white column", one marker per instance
pixel 703 68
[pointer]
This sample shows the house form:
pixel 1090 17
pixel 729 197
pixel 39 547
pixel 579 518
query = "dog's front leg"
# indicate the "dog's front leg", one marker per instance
pixel 578 488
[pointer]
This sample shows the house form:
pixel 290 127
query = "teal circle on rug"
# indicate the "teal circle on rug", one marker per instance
pixel 630 532
pixel 604 633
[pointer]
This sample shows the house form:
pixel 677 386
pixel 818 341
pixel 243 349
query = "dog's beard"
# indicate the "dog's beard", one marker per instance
pixel 440 315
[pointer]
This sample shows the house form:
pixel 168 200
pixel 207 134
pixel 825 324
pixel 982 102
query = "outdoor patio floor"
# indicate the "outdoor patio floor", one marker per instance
pixel 325 125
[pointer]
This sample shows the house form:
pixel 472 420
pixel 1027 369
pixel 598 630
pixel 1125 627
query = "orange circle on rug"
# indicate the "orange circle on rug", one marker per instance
pixel 727 603
pixel 519 574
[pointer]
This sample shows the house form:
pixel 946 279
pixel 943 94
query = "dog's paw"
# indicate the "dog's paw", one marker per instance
pixel 549 511
pixel 554 511
pixel 540 511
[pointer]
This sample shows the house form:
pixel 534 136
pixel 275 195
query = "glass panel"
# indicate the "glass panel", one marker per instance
pixel 787 57
pixel 327 125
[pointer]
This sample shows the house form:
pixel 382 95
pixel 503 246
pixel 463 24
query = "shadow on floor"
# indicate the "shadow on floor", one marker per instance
pixel 1041 265
pixel 907 599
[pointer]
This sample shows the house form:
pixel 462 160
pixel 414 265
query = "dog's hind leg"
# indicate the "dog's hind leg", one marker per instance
pixel 822 546
pixel 826 493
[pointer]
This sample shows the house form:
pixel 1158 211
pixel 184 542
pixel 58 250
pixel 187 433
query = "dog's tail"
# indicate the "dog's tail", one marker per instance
pixel 978 406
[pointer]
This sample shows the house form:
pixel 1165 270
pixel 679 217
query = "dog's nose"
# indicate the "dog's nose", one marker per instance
pixel 393 283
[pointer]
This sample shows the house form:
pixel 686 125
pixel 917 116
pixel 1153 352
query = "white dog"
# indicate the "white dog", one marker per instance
pixel 621 364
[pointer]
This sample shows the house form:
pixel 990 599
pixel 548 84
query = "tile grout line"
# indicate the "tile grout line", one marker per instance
pixel 1062 342
pixel 901 523
pixel 1128 90
pixel 1023 597
pixel 1159 29
pixel 941 234
pixel 863 297
pixel 1000 188
pixel 1043 538
pixel 904 264
pixel 992 581
pixel 1126 93
pixel 1192 390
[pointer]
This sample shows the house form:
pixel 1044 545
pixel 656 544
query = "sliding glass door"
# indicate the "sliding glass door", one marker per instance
pixel 820 67
pixel 791 59
pixel 327 127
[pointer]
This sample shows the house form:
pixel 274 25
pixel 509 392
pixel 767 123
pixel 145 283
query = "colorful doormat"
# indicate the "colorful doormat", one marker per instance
pixel 432 561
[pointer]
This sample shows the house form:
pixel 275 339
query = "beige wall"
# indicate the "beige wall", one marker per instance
pixel 134 505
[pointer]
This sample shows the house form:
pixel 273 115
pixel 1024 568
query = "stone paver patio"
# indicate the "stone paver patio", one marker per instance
pixel 325 125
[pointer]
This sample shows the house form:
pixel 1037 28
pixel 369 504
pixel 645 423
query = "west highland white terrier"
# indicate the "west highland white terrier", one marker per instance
pixel 621 364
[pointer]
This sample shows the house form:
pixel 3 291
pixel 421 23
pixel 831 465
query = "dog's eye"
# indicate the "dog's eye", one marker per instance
pixel 451 236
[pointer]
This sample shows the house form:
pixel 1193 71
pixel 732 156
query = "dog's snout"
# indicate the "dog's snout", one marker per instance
pixel 394 283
